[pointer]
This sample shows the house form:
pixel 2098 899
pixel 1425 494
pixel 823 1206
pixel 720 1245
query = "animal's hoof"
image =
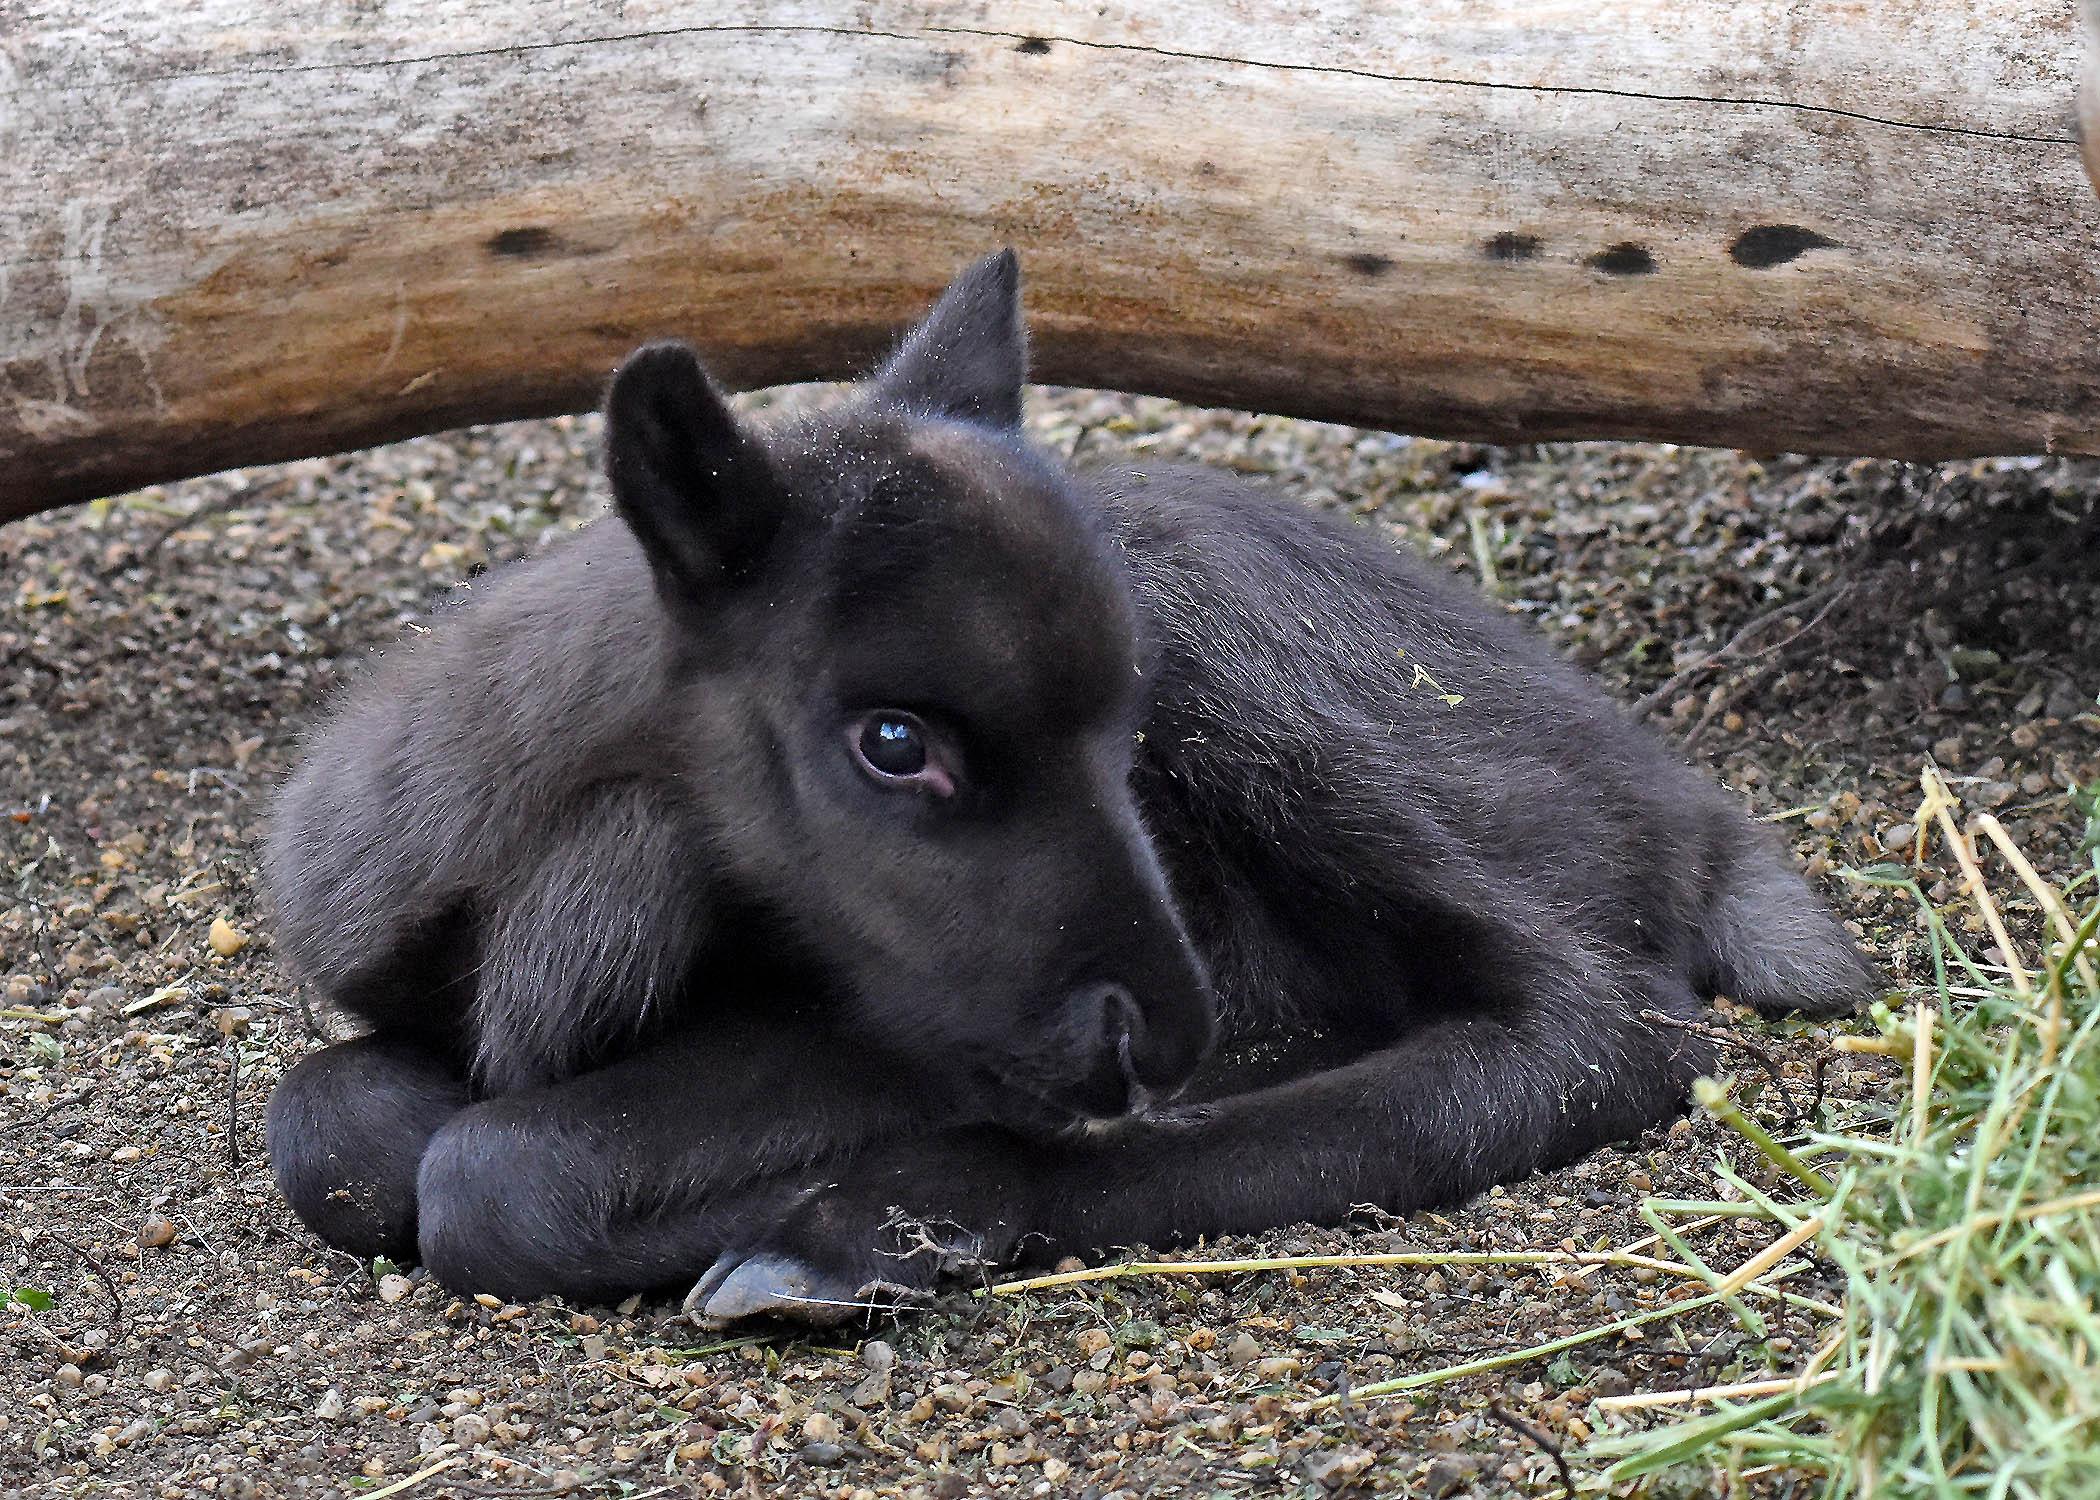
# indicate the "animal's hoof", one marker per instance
pixel 769 1286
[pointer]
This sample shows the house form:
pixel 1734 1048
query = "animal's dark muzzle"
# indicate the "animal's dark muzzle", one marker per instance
pixel 1135 1055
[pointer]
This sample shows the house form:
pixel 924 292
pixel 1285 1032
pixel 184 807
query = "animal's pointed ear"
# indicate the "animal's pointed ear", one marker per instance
pixel 697 490
pixel 969 357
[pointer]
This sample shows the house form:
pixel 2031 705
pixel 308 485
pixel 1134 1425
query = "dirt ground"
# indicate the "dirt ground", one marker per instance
pixel 172 1331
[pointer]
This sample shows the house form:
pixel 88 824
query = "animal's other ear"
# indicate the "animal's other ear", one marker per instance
pixel 696 489
pixel 969 356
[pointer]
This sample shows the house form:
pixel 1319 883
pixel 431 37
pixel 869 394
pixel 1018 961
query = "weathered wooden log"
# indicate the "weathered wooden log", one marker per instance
pixel 232 233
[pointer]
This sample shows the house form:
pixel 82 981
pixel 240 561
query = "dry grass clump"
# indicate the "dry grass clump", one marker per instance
pixel 1964 1357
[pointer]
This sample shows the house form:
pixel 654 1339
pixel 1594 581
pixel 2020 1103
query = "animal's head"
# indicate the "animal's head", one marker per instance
pixel 913 688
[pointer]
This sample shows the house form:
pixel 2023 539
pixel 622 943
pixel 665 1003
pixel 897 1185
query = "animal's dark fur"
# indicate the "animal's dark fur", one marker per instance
pixel 598 856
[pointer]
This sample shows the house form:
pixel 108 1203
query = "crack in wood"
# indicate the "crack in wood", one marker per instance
pixel 1224 59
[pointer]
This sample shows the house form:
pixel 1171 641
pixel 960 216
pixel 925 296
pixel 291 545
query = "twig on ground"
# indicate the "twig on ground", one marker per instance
pixel 453 1462
pixel 1699 1395
pixel 1721 1036
pixel 217 505
pixel 109 1282
pixel 1546 1444
pixel 1828 597
pixel 1342 1262
pixel 1448 1373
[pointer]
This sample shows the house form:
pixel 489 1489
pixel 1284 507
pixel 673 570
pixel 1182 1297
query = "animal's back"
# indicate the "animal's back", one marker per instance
pixel 1346 742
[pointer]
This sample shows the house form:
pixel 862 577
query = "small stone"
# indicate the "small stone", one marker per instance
pixel 232 1020
pixel 1243 1350
pixel 68 1376
pixel 1447 1476
pixel 1056 1470
pixel 156 1232
pixel 823 1455
pixel 126 1154
pixel 394 1286
pixel 470 1428
pixel 158 1380
pixel 1282 1367
pixel 1092 1341
pixel 107 1000
pixel 2065 700
pixel 330 1407
pixel 820 1427
pixel 1337 1466
pixel 226 939
pixel 1090 1382
pixel 877 1355
pixel 873 1390
pixel 1611 1381
pixel 1068 1265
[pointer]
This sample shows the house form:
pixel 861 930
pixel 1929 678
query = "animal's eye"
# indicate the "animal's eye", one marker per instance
pixel 893 746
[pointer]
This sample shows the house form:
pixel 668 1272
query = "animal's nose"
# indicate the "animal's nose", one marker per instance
pixel 1129 1069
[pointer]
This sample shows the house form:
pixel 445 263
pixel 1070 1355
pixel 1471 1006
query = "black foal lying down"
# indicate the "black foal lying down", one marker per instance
pixel 880 846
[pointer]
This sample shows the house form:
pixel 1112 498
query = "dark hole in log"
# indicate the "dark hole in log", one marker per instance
pixel 1626 259
pixel 533 239
pixel 1510 246
pixel 1034 46
pixel 1367 264
pixel 1775 245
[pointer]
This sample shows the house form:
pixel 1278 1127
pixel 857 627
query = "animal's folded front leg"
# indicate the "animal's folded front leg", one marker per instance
pixel 1451 1110
pixel 636 1175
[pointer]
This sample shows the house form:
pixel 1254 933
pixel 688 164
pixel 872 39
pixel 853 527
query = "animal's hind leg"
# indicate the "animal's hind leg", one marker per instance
pixel 347 1128
pixel 1771 945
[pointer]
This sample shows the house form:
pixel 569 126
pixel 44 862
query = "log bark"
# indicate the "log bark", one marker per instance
pixel 233 233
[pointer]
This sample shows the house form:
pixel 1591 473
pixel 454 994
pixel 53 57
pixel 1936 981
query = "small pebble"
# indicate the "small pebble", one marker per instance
pixel 156 1232
pixel 330 1407
pixel 824 1455
pixel 157 1380
pixel 469 1429
pixel 1244 1349
pixel 820 1427
pixel 877 1355
pixel 225 938
pixel 393 1287
pixel 1447 1476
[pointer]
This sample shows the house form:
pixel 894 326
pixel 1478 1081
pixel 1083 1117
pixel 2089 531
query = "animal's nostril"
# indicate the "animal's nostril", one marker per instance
pixel 1121 1021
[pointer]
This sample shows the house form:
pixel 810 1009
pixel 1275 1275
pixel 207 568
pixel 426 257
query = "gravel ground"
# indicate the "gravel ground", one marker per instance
pixel 161 654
